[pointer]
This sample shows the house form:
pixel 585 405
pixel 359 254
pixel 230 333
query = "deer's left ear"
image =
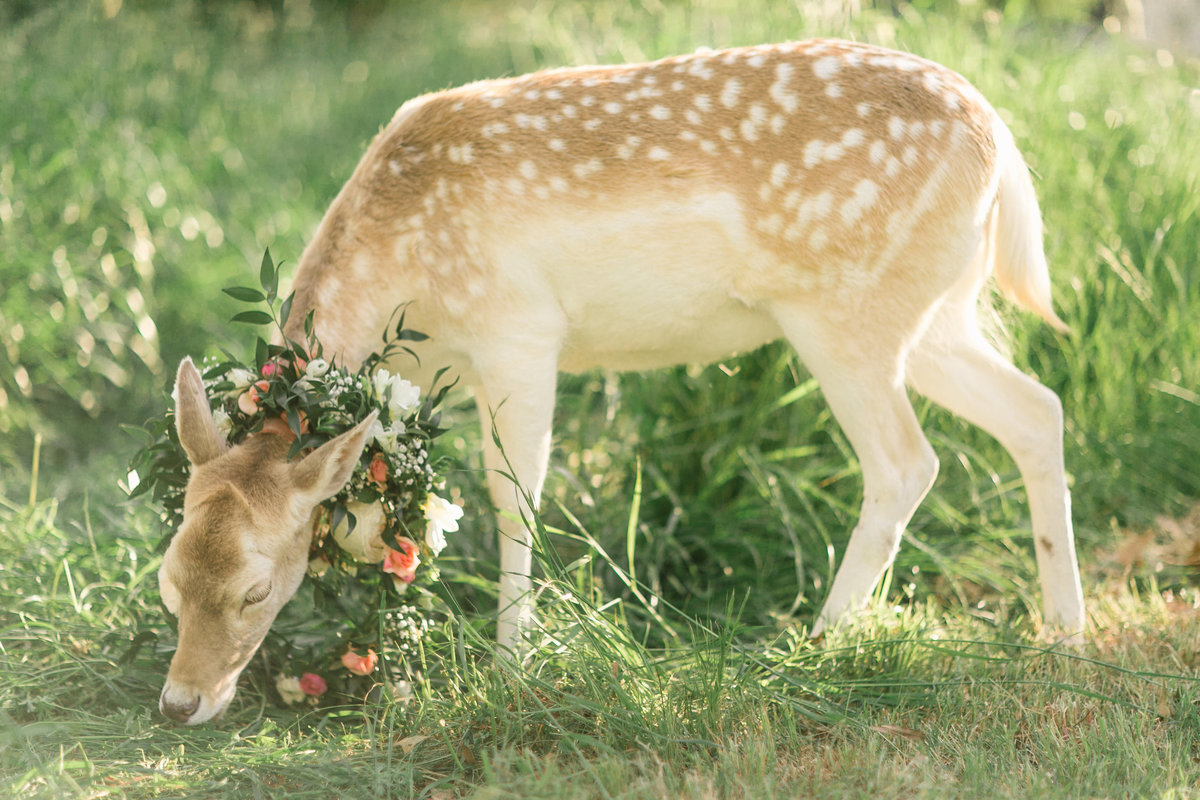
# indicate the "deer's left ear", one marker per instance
pixel 193 417
pixel 324 472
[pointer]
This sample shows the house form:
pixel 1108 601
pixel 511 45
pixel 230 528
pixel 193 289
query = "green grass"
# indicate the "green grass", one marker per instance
pixel 145 162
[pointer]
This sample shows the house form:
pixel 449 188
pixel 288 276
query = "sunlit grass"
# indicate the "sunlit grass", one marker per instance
pixel 693 517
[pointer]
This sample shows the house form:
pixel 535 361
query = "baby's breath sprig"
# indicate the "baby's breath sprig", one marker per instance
pixel 374 546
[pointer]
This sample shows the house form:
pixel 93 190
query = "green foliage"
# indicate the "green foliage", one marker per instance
pixel 343 605
pixel 148 157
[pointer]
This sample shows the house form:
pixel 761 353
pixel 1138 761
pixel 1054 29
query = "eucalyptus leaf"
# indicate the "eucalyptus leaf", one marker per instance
pixel 245 294
pixel 254 318
pixel 267 275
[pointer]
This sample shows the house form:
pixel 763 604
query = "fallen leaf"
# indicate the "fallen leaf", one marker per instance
pixel 409 742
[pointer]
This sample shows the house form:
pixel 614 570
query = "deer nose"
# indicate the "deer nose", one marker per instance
pixel 179 711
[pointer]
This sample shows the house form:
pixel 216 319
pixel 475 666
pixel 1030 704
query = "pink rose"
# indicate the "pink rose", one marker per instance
pixel 360 665
pixel 270 368
pixel 249 400
pixel 378 469
pixel 312 684
pixel 403 562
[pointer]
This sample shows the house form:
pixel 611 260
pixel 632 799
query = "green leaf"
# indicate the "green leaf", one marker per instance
pixel 245 294
pixel 268 276
pixel 285 310
pixel 253 318
pixel 261 352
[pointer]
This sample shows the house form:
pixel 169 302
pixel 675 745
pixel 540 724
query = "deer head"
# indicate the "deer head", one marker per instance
pixel 242 548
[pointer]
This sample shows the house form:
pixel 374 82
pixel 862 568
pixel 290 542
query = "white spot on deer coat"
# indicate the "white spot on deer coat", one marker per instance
pixel 612 108
pixel 878 151
pixel 703 102
pixel 865 194
pixel 660 112
pixel 587 168
pixel 779 91
pixel 731 92
pixel 826 67
pixel 779 173
pixel 658 154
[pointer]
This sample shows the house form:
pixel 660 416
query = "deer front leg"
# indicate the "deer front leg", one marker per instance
pixel 516 407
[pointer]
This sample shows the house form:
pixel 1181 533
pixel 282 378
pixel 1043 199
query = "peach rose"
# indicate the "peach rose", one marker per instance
pixel 360 665
pixel 378 469
pixel 403 563
pixel 250 398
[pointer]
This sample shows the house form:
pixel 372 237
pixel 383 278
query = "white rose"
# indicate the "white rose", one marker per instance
pixel 241 377
pixel 403 397
pixel 316 368
pixel 441 516
pixel 365 542
pixel 289 689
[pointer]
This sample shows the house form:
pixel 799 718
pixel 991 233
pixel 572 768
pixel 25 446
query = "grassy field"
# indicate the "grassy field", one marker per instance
pixel 147 157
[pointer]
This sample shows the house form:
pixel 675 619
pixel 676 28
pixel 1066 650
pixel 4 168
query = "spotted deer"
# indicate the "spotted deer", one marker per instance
pixel 850 199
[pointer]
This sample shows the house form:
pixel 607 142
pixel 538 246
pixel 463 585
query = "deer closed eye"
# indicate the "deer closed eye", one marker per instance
pixel 257 594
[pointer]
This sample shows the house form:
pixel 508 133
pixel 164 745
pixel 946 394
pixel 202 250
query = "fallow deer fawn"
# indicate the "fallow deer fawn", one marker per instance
pixel 851 199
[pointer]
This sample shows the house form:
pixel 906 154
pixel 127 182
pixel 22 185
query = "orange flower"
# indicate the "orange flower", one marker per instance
pixel 378 469
pixel 403 563
pixel 360 665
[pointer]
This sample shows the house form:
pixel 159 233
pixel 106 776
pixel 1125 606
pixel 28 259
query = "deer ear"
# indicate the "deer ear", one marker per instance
pixel 324 472
pixel 193 417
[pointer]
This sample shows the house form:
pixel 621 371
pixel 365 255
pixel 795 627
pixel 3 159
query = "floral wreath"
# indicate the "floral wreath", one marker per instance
pixel 359 626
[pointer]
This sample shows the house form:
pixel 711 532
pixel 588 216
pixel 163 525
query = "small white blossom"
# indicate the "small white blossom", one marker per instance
pixel 223 422
pixel 403 691
pixel 441 517
pixel 386 437
pixel 289 689
pixel 316 368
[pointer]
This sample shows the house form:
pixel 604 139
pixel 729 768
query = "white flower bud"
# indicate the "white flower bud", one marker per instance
pixel 365 542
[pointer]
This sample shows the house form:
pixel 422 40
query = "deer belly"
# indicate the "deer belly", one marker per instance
pixel 653 285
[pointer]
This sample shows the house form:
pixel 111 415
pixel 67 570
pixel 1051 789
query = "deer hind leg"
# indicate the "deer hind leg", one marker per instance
pixel 954 366
pixel 515 398
pixel 862 381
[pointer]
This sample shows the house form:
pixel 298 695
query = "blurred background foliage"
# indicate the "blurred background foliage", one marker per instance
pixel 150 151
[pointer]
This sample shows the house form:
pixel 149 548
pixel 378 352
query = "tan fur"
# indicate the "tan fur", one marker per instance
pixel 851 199
pixel 248 518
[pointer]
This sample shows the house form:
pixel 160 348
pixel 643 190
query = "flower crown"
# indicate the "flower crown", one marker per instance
pixel 387 516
